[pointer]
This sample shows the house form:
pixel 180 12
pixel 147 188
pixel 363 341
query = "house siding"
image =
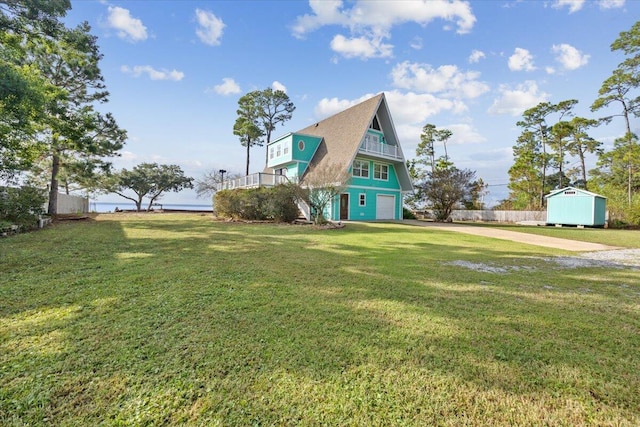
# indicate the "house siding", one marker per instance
pixel 296 160
pixel 371 188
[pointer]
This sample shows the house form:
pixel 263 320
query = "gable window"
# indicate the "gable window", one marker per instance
pixel 361 168
pixel 380 171
pixel 301 145
pixel 375 124
pixel 362 199
pixel 271 151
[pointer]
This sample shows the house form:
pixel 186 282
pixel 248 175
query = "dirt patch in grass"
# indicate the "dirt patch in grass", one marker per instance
pixel 619 259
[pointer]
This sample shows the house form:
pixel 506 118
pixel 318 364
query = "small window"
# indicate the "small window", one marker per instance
pixel 278 150
pixel 271 151
pixel 381 172
pixel 363 199
pixel 361 169
pixel 301 145
pixel 375 124
pixel 285 150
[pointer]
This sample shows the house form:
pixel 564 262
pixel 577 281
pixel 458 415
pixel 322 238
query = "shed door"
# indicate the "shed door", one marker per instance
pixel 385 207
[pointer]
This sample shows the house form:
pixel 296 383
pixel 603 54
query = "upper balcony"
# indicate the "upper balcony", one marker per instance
pixel 252 181
pixel 371 147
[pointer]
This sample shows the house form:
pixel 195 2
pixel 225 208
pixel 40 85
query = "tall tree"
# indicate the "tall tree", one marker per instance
pixel 73 129
pixel 274 107
pixel 247 125
pixel 580 143
pixel 149 180
pixel 24 91
pixel 559 142
pixel 525 175
pixel 425 151
pixel 534 121
pixel 619 87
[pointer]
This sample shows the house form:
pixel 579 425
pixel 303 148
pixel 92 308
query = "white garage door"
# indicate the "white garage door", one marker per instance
pixel 385 207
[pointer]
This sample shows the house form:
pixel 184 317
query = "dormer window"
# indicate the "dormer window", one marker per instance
pixel 375 124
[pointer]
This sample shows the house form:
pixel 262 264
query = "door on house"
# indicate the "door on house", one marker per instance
pixel 385 207
pixel 344 206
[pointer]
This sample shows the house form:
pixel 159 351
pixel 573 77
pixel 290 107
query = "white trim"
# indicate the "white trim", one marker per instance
pixel 366 187
pixel 353 168
pixel 362 197
pixel 374 171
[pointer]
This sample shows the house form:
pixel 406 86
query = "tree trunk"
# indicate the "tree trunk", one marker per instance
pixel 544 168
pixel 248 152
pixel 629 136
pixel 266 149
pixel 584 168
pixel 52 209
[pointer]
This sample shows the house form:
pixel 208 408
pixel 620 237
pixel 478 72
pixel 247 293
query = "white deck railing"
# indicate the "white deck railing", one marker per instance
pixel 252 181
pixel 377 148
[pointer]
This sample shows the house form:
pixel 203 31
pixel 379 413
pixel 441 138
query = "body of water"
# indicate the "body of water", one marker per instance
pixel 104 207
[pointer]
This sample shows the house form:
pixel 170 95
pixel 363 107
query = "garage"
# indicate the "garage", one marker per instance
pixel 385 207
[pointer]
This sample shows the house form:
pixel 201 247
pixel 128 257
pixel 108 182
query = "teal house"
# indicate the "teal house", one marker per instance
pixel 574 206
pixel 362 142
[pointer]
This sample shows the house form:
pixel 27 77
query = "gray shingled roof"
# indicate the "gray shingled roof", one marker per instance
pixel 342 134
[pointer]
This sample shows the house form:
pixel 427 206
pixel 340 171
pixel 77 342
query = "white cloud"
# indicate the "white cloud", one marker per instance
pixel 371 21
pixel 521 60
pixel 515 101
pixel 227 87
pixel 476 56
pixel 276 85
pixel 611 4
pixel 573 5
pixel 464 133
pixel 361 47
pixel 210 27
pixel 446 80
pixel 129 28
pixel 416 43
pixel 570 57
pixel 550 70
pixel 407 108
pixel 154 74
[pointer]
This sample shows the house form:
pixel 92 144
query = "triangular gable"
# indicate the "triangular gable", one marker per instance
pixel 343 133
pixel 578 190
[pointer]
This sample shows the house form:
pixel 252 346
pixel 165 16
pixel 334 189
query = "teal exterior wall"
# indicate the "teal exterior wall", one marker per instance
pixel 370 188
pixel 574 207
pixel 295 153
pixel 600 211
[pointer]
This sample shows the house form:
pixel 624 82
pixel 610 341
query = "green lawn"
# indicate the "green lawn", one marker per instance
pixel 161 319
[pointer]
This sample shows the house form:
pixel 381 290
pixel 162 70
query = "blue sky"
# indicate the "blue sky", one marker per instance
pixel 176 68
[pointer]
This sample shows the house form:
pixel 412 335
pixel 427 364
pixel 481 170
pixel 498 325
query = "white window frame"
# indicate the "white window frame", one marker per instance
pixel 285 149
pixel 278 150
pixel 271 151
pixel 362 199
pixel 360 168
pixel 377 169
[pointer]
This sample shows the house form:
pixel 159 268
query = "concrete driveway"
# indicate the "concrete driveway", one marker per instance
pixel 530 239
